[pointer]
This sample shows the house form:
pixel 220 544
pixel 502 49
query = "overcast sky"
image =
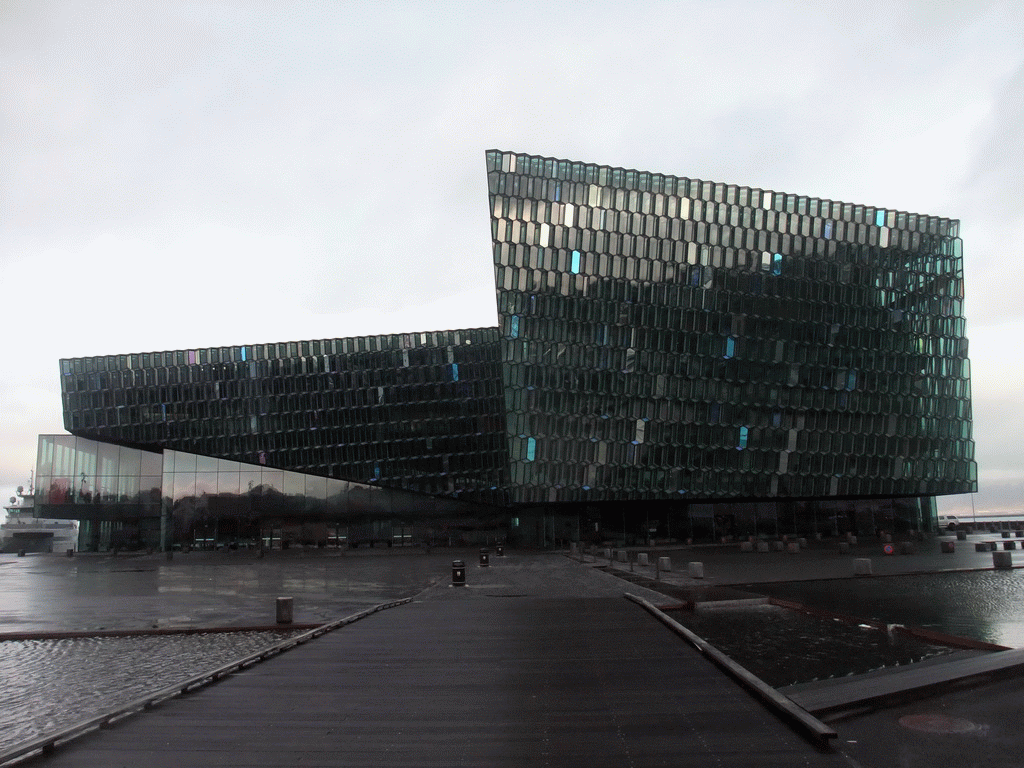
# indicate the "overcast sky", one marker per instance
pixel 177 174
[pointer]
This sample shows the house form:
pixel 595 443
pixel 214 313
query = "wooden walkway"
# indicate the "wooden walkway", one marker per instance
pixel 466 680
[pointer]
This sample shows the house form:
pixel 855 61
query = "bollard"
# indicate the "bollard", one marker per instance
pixel 1002 560
pixel 485 558
pixel 961 535
pixel 284 610
pixel 458 573
pixel 762 546
pixel 778 546
pixel 500 550
pixel 71 553
pixel 887 538
pixel 21 553
pixel 862 566
pixel 947 547
pixel 620 555
pixel 695 570
pixel 746 546
pixel 642 558
pixel 665 564
pixel 844 546
pixel 608 554
pixel 802 542
pixel 792 547
pixel 1009 544
pixel 908 548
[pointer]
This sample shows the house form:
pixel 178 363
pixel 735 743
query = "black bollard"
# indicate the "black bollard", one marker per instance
pixel 485 558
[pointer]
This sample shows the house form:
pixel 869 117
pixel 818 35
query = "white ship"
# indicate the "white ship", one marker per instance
pixel 22 531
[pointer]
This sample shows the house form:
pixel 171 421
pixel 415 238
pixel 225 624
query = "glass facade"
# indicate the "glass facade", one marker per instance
pixel 743 361
pixel 130 498
pixel 665 338
pixel 419 411
pixel 113 490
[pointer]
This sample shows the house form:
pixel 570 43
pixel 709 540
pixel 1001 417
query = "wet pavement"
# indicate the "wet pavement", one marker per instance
pixel 224 589
pixel 49 593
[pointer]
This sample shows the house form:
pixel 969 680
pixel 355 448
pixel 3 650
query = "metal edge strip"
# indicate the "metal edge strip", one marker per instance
pixel 775 700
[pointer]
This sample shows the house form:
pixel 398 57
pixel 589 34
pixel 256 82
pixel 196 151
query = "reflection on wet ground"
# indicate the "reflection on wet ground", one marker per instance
pixel 981 605
pixel 45 593
pixel 53 684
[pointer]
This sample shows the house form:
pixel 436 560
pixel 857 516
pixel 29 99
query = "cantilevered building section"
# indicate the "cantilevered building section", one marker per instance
pixel 695 358
pixel 665 337
pixel 419 411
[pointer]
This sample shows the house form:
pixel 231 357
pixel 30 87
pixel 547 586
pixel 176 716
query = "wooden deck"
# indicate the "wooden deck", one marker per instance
pixel 466 680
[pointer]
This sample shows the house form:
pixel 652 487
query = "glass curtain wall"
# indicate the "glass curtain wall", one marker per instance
pixel 665 337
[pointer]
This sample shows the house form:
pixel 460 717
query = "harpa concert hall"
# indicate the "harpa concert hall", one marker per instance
pixel 673 358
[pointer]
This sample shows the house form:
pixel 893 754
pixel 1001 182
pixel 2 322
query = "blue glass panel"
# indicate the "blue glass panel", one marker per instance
pixel 743 438
pixel 531 448
pixel 879 218
pixel 513 327
pixel 730 347
pixel 575 262
pixel 455 371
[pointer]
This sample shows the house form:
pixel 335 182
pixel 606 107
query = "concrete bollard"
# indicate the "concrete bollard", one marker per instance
pixel 1002 560
pixel 695 570
pixel 746 546
pixel 458 573
pixel 70 553
pixel 620 555
pixel 981 546
pixel 961 535
pixel 762 546
pixel 665 564
pixel 284 610
pixel 802 542
pixel 642 558
pixel 947 547
pixel 844 546
pixel 778 546
pixel 862 566
pixel 852 539
pixel 607 553
pixel 792 547
pixel 21 553
pixel 1010 544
